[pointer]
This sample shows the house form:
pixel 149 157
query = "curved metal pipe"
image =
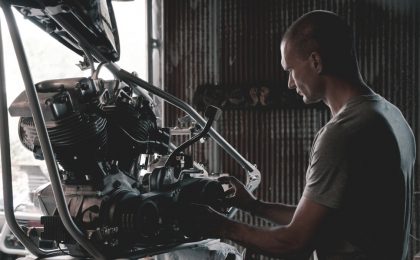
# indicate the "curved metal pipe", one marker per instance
pixel 45 143
pixel 7 171
pixel 196 137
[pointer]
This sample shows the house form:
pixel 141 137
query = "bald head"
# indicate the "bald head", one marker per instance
pixel 328 35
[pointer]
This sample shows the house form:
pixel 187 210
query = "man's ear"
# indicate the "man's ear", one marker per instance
pixel 316 62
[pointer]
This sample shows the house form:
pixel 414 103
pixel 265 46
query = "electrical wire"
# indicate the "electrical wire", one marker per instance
pixel 66 252
pixel 139 141
pixel 89 58
pixel 98 69
pixel 415 238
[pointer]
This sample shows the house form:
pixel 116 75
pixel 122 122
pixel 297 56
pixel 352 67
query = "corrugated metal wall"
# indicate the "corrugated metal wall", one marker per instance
pixel 236 42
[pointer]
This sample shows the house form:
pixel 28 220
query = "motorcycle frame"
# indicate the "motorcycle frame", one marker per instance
pixel 253 176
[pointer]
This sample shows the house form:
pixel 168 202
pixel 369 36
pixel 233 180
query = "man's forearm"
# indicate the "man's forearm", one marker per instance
pixel 279 213
pixel 272 242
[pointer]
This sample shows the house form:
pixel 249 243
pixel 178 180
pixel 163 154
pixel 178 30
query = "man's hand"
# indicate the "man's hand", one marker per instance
pixel 238 196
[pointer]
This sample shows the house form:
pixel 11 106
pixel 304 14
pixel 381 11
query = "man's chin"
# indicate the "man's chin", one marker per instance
pixel 310 101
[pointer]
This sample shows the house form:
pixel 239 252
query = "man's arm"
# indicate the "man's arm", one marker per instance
pixel 279 213
pixel 294 238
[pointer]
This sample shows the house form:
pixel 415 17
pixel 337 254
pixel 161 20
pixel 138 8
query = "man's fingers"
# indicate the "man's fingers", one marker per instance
pixel 229 192
pixel 224 179
pixel 228 179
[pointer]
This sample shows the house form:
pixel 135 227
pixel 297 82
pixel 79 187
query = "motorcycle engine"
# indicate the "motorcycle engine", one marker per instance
pixel 111 158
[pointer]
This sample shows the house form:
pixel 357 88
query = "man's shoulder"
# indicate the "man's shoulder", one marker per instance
pixel 355 120
pixel 364 112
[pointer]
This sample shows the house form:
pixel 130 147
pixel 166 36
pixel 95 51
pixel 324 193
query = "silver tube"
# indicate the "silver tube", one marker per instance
pixel 45 143
pixel 149 40
pixel 7 172
pixel 6 164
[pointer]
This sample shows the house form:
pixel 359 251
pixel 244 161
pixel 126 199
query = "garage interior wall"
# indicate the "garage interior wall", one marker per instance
pixel 234 44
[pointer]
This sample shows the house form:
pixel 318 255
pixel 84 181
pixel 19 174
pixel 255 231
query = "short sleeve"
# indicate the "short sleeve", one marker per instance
pixel 328 170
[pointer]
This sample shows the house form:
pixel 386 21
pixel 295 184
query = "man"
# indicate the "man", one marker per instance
pixel 357 200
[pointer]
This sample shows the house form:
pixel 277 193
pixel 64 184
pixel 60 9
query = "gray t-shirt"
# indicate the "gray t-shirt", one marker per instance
pixel 361 166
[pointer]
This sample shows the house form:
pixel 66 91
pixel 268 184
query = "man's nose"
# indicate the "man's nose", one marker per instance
pixel 291 84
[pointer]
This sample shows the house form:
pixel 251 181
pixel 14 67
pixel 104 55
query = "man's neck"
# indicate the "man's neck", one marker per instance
pixel 339 92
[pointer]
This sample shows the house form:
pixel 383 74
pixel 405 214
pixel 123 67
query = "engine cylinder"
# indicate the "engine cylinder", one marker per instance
pixel 78 141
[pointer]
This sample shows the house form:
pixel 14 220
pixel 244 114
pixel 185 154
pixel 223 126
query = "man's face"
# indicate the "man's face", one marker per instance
pixel 302 74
